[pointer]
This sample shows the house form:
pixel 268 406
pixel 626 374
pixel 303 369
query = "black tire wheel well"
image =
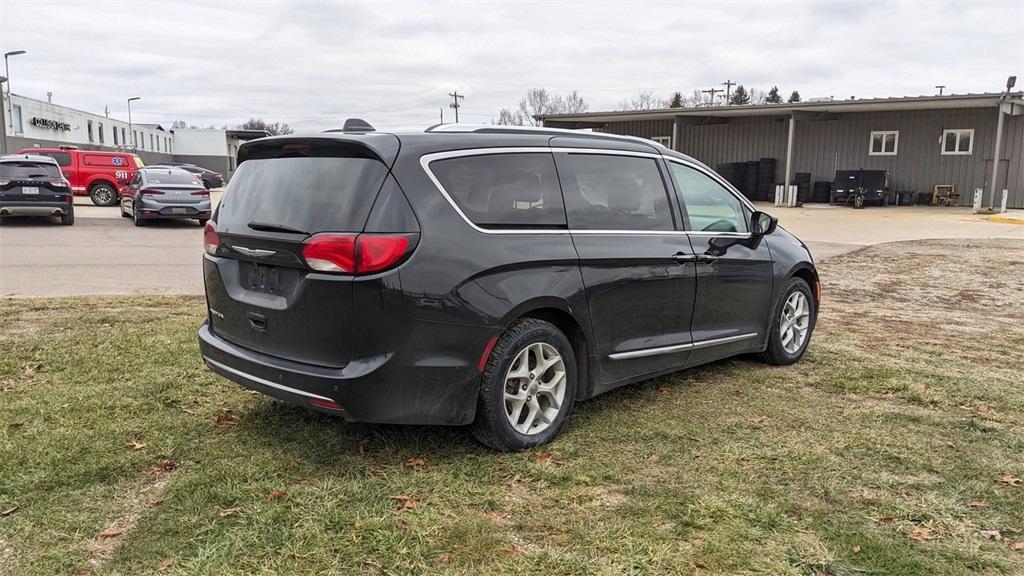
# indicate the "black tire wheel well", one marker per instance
pixel 572 330
pixel 808 275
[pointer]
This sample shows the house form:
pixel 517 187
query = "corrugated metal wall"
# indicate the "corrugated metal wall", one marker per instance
pixel 822 146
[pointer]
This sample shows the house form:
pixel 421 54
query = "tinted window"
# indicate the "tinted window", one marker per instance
pixel 504 189
pixel 605 192
pixel 28 170
pixel 169 177
pixel 710 207
pixel 62 158
pixel 313 194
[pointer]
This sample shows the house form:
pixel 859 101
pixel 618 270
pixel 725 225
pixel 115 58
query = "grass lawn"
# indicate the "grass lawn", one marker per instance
pixel 895 447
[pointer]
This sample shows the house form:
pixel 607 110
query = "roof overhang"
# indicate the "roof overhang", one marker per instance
pixel 804 110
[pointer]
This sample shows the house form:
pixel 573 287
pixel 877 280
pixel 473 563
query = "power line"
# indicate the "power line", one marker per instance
pixel 728 90
pixel 712 92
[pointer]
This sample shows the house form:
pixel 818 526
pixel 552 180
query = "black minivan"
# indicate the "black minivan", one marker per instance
pixel 490 276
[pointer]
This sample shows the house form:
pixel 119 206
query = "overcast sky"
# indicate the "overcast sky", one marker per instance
pixel 313 64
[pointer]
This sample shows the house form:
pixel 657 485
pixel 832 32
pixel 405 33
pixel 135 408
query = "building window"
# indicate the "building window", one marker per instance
pixel 16 119
pixel 89 126
pixel 151 147
pixel 100 127
pixel 114 130
pixel 124 140
pixel 884 143
pixel 959 141
pixel 665 141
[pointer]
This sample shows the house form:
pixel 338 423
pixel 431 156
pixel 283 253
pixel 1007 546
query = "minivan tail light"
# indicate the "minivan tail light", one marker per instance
pixel 210 238
pixel 356 253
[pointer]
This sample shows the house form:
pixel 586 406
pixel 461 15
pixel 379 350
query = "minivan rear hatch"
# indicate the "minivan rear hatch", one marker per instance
pixel 261 292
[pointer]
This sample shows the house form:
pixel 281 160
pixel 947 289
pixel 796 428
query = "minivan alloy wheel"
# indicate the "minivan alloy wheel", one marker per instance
pixel 534 388
pixel 795 322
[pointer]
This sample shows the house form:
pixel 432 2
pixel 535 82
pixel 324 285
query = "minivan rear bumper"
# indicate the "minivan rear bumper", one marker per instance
pixel 376 389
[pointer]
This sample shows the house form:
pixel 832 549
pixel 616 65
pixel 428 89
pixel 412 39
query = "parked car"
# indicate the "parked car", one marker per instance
pixel 488 275
pixel 32 185
pixel 165 192
pixel 92 173
pixel 210 178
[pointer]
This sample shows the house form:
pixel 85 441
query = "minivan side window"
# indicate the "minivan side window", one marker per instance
pixel 610 192
pixel 709 206
pixel 510 190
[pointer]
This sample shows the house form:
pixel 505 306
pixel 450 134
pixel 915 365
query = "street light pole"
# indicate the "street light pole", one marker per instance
pixel 7 73
pixel 3 122
pixel 135 142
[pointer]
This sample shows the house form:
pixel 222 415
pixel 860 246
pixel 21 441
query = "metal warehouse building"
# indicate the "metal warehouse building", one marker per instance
pixel 921 141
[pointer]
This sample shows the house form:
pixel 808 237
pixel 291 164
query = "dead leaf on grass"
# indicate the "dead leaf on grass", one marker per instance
pixel 920 534
pixel 31 369
pixel 698 455
pixel 884 520
pixel 1010 480
pixel 1015 546
pixel 977 504
pixel 110 533
pixel 15 425
pixel 415 463
pixel 544 457
pixel 856 549
pixel 993 535
pixel 441 560
pixel 514 551
pixel 664 390
pixel 275 495
pixel 224 418
pixel 496 515
pixel 9 511
pixel 165 466
pixel 401 525
pixel 136 445
pixel 405 503
pixel 166 564
pixel 361 448
pixel 654 458
pixel 230 511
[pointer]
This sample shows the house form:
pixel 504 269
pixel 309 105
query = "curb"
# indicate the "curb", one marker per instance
pixel 1007 218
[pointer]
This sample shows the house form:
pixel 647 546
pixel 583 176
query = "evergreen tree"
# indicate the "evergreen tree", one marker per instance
pixel 773 96
pixel 677 100
pixel 794 97
pixel 740 96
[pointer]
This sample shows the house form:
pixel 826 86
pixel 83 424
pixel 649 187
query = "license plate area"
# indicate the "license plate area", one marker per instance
pixel 265 279
pixel 179 210
pixel 30 190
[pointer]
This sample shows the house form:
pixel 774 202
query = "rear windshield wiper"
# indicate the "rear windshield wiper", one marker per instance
pixel 268 227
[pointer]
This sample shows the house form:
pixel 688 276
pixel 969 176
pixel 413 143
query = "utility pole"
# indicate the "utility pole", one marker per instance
pixel 455 103
pixel 712 92
pixel 3 121
pixel 941 87
pixel 728 90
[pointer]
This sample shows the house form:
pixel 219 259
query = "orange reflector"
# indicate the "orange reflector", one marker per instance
pixel 487 354
pixel 327 404
pixel 817 290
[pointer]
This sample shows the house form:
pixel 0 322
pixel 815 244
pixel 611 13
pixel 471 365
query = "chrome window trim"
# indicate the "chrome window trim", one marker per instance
pixel 262 381
pixel 645 352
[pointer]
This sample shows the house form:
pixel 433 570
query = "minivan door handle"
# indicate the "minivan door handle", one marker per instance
pixel 683 257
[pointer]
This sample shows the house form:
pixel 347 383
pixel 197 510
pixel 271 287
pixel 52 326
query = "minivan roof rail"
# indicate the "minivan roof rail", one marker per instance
pixel 505 129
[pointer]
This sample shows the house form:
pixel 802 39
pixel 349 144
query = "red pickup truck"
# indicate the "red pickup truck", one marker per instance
pixel 93 173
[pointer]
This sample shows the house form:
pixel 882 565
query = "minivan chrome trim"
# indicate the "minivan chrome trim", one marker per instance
pixel 643 353
pixel 263 382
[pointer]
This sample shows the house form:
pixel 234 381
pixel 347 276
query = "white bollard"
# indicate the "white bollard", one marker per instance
pixel 1002 205
pixel 778 194
pixel 792 196
pixel 977 201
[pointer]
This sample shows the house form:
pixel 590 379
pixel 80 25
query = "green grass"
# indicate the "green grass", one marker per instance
pixel 109 421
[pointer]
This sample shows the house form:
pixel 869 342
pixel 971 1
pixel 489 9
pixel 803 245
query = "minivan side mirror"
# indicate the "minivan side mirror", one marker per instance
pixel 762 223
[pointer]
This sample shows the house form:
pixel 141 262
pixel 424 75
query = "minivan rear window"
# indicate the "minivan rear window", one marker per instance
pixel 28 170
pixel 308 193
pixel 511 190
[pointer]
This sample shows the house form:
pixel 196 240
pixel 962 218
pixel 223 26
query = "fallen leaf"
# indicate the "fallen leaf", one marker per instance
pixel 1016 546
pixel 885 520
pixel 544 457
pixel 920 534
pixel 401 525
pixel 31 369
pixel 14 425
pixel 275 495
pixel 993 535
pixel 968 522
pixel 1010 480
pixel 165 466
pixel 110 533
pixel 9 511
pixel 977 504
pixel 229 512
pixel 856 549
pixel 654 458
pixel 496 515
pixel 166 564
pixel 697 540
pixel 441 560
pixel 415 462
pixel 514 551
pixel 361 449
pixel 664 390
pixel 405 503
pixel 136 445
pixel 154 503
pixel 224 418
pixel 698 455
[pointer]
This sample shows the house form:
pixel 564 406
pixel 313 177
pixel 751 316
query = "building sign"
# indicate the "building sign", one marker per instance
pixel 51 124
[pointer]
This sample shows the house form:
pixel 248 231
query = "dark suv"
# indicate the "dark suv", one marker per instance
pixel 488 275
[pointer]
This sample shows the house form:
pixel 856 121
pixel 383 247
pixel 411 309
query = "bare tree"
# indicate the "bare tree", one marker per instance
pixel 573 103
pixel 757 96
pixel 260 124
pixel 645 100
pixel 536 102
pixel 540 102
pixel 509 117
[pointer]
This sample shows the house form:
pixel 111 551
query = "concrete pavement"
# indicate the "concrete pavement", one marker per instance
pixel 105 254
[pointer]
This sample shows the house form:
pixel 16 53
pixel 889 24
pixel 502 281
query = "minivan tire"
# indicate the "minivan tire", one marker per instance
pixel 776 353
pixel 103 195
pixel 492 426
pixel 68 217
